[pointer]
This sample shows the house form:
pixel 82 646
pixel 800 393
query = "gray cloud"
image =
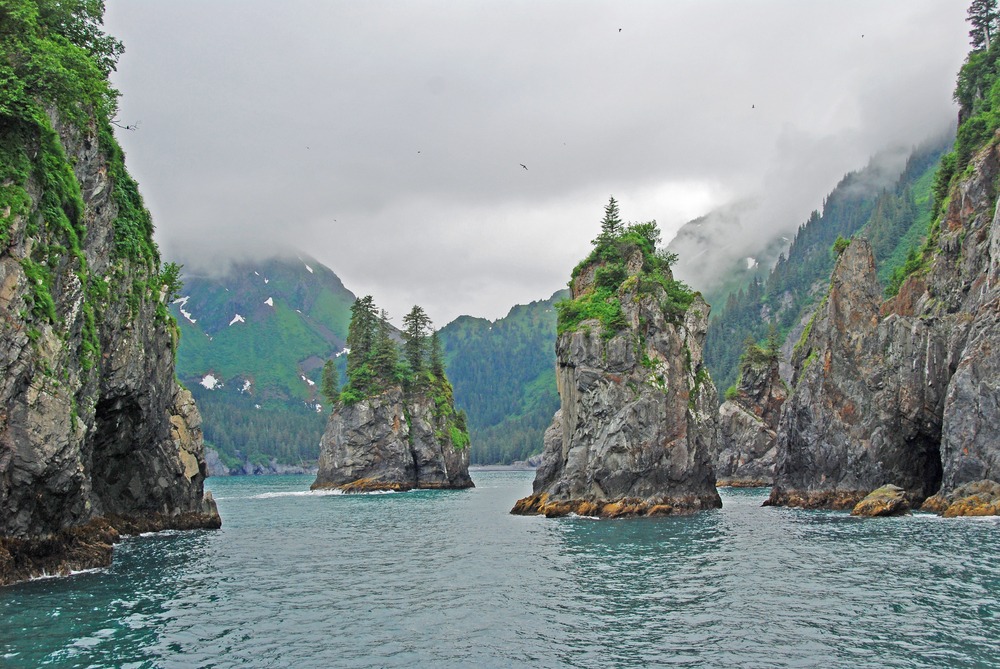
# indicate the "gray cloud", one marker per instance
pixel 384 139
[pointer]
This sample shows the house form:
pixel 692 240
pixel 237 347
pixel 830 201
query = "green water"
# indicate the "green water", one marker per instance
pixel 449 579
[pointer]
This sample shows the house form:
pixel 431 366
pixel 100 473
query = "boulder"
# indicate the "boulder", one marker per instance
pixel 977 498
pixel 889 500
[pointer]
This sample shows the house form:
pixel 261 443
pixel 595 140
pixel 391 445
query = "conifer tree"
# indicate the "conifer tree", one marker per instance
pixel 437 356
pixel 361 332
pixel 385 354
pixel 415 326
pixel 611 225
pixel 983 17
pixel 329 385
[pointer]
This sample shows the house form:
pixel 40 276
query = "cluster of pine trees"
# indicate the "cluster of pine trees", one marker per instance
pixel 374 359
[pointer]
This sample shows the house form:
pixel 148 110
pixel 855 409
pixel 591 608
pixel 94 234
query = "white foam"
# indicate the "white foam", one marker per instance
pixel 319 408
pixel 237 319
pixel 269 301
pixel 246 386
pixel 344 352
pixel 210 382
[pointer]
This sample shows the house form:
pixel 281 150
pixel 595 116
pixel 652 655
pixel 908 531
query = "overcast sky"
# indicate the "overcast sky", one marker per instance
pixel 386 139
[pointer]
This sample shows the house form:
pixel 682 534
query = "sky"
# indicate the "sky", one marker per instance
pixel 458 155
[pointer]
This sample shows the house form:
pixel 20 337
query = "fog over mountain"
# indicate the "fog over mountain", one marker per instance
pixel 387 139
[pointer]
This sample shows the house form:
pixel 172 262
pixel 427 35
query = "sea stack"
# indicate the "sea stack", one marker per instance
pixel 394 425
pixel 748 420
pixel 637 423
pixel 97 438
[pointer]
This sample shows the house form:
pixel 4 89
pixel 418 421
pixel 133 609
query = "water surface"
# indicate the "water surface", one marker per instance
pixel 449 578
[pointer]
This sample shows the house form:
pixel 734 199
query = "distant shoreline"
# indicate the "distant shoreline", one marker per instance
pixel 500 468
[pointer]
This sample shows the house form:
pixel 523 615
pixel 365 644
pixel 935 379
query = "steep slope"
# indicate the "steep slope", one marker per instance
pixel 96 436
pixel 905 391
pixel 254 340
pixel 503 372
pixel 893 212
pixel 638 408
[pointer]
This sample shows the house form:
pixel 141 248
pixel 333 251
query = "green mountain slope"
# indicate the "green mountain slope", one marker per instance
pixel 893 218
pixel 503 373
pixel 253 344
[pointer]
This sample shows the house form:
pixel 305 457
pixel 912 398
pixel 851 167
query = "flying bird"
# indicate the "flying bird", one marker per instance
pixel 523 165
pixel 619 30
pixel 752 106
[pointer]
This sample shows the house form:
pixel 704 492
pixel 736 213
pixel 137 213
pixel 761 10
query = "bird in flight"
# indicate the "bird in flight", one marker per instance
pixel 523 165
pixel 619 30
pixel 752 106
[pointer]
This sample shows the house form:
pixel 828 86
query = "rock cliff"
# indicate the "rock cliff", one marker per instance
pixel 748 425
pixel 96 436
pixel 903 391
pixel 392 441
pixel 638 420
pixel 867 401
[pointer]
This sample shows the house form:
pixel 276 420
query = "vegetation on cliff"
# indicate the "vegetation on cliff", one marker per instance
pixel 613 249
pixel 375 364
pixel 54 66
pixel 894 216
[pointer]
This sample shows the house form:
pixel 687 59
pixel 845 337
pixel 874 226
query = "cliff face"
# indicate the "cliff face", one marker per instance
pixel 637 422
pixel 392 441
pixel 867 404
pixel 92 423
pixel 748 427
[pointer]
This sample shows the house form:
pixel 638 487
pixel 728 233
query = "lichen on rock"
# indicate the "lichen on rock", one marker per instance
pixel 889 500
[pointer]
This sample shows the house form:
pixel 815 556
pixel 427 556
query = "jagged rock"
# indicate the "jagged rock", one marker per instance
pixel 392 441
pixel 630 439
pixel 868 398
pixel 978 498
pixel 748 428
pixel 92 422
pixel 889 500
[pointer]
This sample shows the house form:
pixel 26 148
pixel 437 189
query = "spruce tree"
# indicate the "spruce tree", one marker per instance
pixel 611 225
pixel 385 354
pixel 437 356
pixel 983 17
pixel 329 385
pixel 415 327
pixel 361 333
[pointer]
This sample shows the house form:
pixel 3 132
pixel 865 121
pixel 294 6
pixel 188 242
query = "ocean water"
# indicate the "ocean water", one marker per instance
pixel 450 579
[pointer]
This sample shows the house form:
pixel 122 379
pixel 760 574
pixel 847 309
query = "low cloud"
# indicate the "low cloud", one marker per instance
pixel 386 139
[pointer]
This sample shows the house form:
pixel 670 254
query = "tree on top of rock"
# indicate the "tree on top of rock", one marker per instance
pixel 983 16
pixel 415 327
pixel 611 224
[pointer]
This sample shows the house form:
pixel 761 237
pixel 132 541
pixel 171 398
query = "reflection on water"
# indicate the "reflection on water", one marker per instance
pixel 431 578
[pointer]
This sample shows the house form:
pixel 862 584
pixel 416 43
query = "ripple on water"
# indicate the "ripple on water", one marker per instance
pixel 300 578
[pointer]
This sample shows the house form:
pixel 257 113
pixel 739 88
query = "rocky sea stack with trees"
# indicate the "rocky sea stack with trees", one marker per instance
pixel 637 425
pixel 393 426
pixel 97 438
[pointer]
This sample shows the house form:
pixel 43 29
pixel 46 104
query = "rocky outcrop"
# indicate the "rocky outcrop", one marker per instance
pixel 748 426
pixel 867 401
pixel 94 430
pixel 637 424
pixel 392 441
pixel 906 390
pixel 889 500
pixel 978 498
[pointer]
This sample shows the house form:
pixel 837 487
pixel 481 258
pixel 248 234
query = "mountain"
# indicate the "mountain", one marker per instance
pixel 893 217
pixel 503 373
pixel 254 339
pixel 253 343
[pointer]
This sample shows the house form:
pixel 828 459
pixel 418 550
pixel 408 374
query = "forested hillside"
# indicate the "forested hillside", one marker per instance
pixel 894 219
pixel 503 373
pixel 253 344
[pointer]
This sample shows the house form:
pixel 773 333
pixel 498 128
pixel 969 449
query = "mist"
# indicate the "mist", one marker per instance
pixel 387 139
